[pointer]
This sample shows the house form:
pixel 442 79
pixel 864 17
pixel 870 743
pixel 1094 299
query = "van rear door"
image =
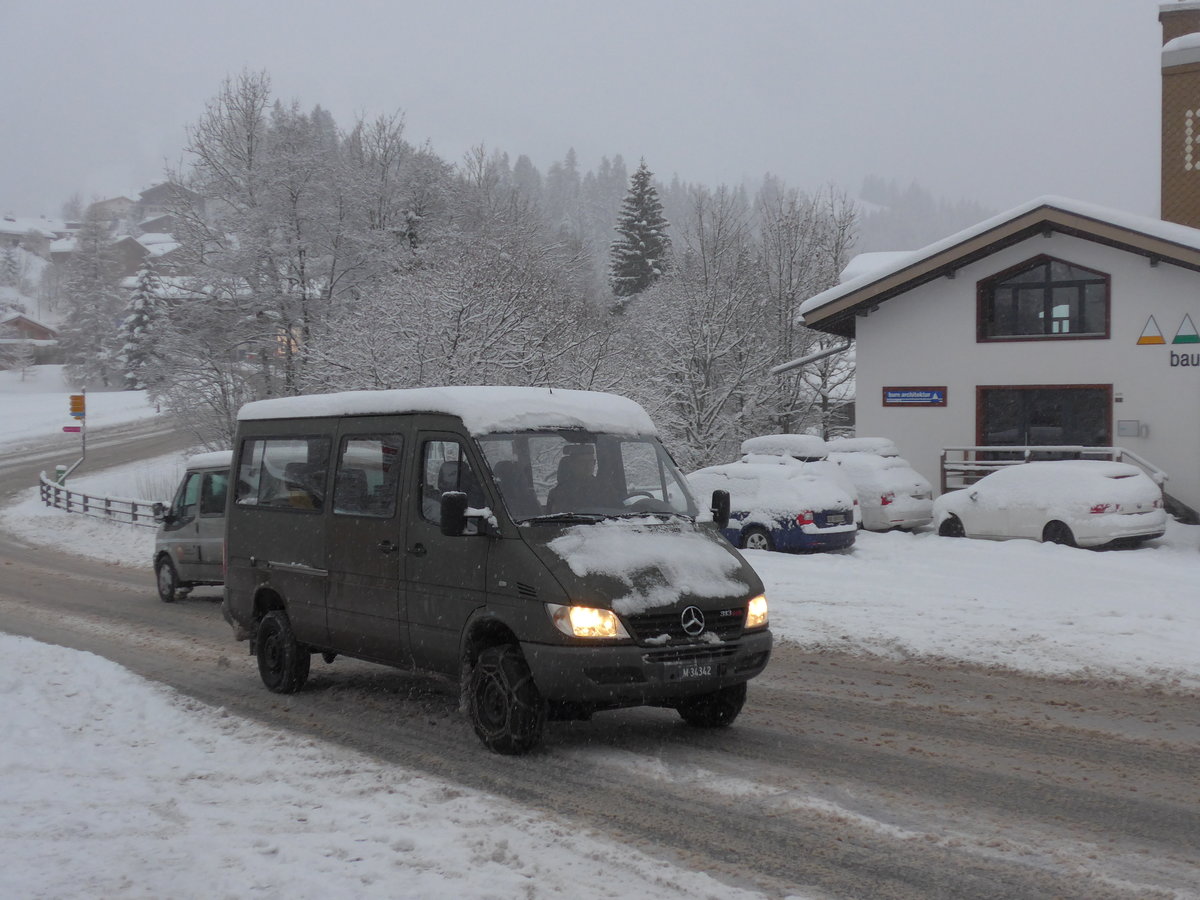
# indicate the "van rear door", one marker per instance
pixel 365 542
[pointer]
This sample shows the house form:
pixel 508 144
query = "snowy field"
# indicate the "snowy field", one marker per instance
pixel 37 408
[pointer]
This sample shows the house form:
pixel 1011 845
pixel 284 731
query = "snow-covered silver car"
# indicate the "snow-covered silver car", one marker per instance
pixel 1085 503
pixel 891 493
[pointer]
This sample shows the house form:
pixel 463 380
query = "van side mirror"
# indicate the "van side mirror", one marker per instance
pixel 162 513
pixel 454 513
pixel 720 508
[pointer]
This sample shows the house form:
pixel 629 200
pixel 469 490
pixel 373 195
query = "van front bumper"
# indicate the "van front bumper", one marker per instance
pixel 634 675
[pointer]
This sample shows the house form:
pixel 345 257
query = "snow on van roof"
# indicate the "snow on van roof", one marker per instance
pixel 801 446
pixel 483 409
pixel 214 460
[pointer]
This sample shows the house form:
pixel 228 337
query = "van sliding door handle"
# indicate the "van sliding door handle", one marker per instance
pixel 417 549
pixel 386 546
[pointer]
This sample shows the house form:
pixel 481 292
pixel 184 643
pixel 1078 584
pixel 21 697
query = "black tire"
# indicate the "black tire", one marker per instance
pixel 167 580
pixel 1058 533
pixel 283 662
pixel 952 526
pixel 506 708
pixel 760 538
pixel 715 710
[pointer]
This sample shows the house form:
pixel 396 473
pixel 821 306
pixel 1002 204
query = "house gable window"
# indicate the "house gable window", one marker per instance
pixel 1043 299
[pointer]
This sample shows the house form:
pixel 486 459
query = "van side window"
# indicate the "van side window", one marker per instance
pixel 368 474
pixel 284 473
pixel 189 498
pixel 212 493
pixel 444 467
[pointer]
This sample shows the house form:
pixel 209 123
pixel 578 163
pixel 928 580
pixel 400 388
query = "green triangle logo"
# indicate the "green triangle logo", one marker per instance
pixel 1187 332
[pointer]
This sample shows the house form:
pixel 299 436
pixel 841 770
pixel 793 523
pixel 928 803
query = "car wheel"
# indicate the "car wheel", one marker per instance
pixel 1058 533
pixel 755 538
pixel 715 710
pixel 167 580
pixel 283 662
pixel 506 708
pixel 952 526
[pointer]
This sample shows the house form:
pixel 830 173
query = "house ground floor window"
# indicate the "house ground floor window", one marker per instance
pixel 1044 415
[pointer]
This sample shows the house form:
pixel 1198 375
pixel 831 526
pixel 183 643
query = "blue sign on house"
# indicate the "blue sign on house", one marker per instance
pixel 914 396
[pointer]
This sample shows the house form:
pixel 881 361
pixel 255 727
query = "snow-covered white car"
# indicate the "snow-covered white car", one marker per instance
pixel 891 493
pixel 777 504
pixel 1085 503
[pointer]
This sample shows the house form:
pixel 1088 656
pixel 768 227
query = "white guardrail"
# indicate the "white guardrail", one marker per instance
pixel 115 509
pixel 968 467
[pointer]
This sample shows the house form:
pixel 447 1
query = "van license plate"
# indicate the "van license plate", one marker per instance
pixel 689 671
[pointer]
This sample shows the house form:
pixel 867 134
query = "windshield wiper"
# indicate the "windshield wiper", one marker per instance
pixel 564 517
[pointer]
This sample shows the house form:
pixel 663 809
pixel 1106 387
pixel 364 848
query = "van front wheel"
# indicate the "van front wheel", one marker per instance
pixel 506 708
pixel 715 710
pixel 167 579
pixel 282 662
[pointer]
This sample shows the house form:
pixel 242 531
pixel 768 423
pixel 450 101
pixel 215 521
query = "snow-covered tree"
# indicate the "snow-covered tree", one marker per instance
pixel 139 355
pixel 640 255
pixel 93 299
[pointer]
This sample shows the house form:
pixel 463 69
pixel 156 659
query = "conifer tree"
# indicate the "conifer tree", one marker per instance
pixel 640 255
pixel 138 351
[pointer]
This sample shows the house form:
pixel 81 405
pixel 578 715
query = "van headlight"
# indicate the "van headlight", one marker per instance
pixel 756 612
pixel 586 621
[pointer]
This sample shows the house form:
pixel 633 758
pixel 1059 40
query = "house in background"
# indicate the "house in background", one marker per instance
pixel 1058 323
pixel 19 331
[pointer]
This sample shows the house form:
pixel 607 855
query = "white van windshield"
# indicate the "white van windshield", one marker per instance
pixel 556 475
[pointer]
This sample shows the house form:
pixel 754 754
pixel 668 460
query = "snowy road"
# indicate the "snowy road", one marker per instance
pixel 846 776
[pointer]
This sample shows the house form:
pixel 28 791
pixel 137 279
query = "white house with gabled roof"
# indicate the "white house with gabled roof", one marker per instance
pixel 1056 323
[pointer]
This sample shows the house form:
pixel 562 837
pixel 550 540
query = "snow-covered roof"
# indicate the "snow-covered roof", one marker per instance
pixel 833 310
pixel 212 460
pixel 20 226
pixel 12 317
pixel 483 409
pixel 1181 51
pixel 158 243
pixel 865 263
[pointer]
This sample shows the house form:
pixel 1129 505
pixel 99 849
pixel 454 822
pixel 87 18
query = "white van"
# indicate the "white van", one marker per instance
pixel 189 547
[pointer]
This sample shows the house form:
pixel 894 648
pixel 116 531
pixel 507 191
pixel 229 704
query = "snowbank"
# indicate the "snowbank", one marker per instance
pixel 114 787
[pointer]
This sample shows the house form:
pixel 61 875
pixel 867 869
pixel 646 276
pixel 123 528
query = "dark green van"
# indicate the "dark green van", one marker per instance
pixel 540 545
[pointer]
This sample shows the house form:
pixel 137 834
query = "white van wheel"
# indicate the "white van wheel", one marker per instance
pixel 167 580
pixel 282 662
pixel 506 708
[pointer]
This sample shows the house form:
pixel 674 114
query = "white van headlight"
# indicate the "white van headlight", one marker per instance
pixel 756 612
pixel 586 621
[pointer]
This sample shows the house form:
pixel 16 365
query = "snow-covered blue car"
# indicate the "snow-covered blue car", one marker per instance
pixel 780 505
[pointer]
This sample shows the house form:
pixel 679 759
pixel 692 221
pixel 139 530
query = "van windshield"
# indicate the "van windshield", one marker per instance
pixel 556 475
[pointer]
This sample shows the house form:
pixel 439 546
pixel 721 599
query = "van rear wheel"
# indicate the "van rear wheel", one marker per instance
pixel 282 662
pixel 506 708
pixel 715 710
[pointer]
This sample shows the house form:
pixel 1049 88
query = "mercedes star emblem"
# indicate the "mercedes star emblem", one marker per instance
pixel 692 620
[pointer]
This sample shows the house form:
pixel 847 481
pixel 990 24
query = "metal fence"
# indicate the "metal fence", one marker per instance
pixel 115 509
pixel 963 466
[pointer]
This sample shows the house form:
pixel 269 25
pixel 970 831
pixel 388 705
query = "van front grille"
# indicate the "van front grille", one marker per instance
pixel 724 623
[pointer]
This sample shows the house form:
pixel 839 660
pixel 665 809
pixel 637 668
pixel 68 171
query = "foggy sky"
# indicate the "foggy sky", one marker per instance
pixel 996 102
